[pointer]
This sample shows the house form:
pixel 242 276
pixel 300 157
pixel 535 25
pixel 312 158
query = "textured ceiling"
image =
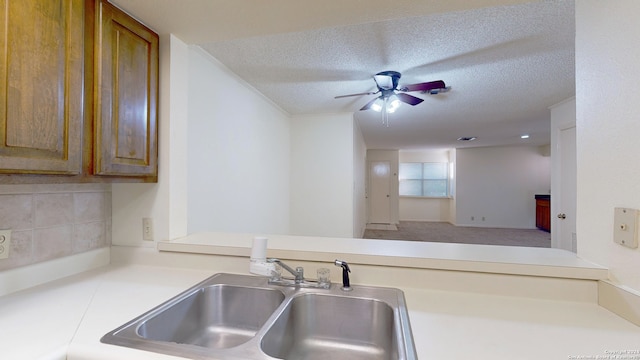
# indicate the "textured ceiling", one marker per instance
pixel 506 63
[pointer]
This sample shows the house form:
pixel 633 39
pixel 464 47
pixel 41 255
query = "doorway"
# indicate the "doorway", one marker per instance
pixel 380 192
pixel 566 207
pixel 564 176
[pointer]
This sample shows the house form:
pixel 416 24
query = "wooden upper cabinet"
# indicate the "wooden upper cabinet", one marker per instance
pixel 125 94
pixel 78 93
pixel 41 86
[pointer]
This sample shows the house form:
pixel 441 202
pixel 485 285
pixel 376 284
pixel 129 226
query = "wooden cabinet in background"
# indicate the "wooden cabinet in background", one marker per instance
pixel 78 93
pixel 126 76
pixel 543 213
pixel 41 86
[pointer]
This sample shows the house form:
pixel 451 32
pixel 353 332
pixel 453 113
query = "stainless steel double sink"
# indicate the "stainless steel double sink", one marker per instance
pixel 230 316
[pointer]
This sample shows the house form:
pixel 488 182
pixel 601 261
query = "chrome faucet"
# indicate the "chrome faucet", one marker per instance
pixel 298 273
pixel 298 277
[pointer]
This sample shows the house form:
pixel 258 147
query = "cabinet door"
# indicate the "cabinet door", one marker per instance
pixel 41 85
pixel 125 97
pixel 543 215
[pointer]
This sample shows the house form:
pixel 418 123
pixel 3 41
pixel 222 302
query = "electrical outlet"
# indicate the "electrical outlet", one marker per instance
pixel 5 243
pixel 625 227
pixel 147 229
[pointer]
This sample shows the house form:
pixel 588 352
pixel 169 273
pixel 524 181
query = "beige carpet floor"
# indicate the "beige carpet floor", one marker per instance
pixel 445 232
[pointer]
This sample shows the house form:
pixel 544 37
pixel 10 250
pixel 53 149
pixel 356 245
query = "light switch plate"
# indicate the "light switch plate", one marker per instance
pixel 5 243
pixel 625 227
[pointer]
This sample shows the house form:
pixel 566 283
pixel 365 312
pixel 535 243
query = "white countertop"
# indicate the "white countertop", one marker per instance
pixel 70 315
pixel 512 260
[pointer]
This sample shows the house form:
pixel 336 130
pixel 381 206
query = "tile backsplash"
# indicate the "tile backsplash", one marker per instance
pixel 54 221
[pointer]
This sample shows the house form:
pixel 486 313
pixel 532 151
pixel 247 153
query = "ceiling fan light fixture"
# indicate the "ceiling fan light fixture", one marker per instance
pixel 393 103
pixel 377 105
pixel 390 104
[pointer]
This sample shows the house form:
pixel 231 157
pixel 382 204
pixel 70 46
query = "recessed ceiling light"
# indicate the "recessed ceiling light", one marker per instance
pixel 467 138
pixel 525 136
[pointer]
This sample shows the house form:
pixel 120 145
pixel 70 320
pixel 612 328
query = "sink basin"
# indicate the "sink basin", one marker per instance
pixel 217 316
pixel 318 326
pixel 243 317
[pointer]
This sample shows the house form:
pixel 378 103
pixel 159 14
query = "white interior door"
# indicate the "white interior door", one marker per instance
pixel 566 216
pixel 380 186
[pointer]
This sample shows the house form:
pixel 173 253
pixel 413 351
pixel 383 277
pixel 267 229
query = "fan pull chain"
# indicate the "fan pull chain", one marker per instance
pixel 385 113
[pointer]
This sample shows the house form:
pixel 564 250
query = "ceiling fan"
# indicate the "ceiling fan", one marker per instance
pixel 391 95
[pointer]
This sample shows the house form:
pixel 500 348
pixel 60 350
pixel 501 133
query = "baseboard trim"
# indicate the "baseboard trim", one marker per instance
pixel 622 301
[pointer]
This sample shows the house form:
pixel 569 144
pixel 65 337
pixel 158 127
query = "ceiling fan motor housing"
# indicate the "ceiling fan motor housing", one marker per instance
pixel 387 80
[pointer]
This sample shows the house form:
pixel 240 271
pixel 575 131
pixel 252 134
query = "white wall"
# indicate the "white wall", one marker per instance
pixel 424 209
pixel 238 151
pixel 428 209
pixel 235 172
pixel 322 175
pixel 441 155
pixel 359 181
pixel 499 184
pixel 166 201
pixel 607 124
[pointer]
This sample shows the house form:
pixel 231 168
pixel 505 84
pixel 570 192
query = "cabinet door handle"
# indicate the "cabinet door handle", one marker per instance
pixel 562 216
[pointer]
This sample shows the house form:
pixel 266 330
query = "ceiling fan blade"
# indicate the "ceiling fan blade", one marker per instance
pixel 409 99
pixel 426 86
pixel 368 105
pixel 359 94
